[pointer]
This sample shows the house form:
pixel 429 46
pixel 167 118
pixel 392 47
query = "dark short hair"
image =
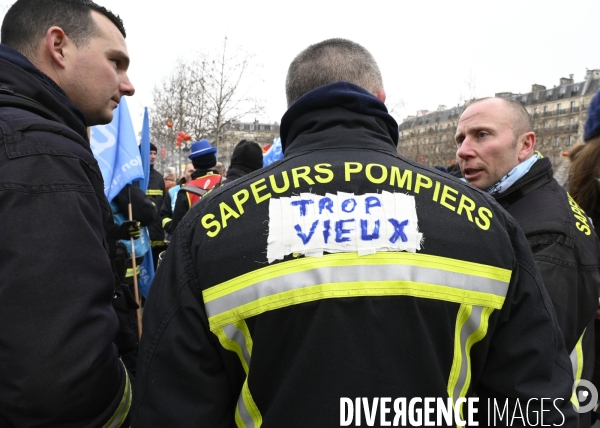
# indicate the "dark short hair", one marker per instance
pixel 27 21
pixel 331 61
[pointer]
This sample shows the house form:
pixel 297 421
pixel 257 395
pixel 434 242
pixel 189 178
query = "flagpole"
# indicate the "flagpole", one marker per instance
pixel 136 290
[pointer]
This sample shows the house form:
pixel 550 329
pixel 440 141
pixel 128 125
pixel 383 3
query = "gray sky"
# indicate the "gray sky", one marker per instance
pixel 428 51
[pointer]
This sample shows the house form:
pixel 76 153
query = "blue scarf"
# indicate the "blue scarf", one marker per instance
pixel 513 176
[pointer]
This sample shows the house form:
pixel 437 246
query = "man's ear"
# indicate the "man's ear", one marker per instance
pixel 55 46
pixel 527 146
pixel 381 95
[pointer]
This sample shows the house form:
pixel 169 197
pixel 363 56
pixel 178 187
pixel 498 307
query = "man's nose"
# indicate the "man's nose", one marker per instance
pixel 126 87
pixel 465 149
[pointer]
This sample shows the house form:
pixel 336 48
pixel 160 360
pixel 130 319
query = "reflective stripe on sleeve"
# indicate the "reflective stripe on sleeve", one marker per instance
pixel 154 192
pixel 123 409
pixel 348 275
pixel 247 414
pixel 165 221
pixel 576 357
pixel 471 327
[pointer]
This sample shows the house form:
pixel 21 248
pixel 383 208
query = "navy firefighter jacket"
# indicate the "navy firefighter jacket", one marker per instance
pixel 345 271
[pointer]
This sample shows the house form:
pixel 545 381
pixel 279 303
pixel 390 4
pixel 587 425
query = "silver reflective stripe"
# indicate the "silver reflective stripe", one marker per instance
pixel 121 413
pixel 341 274
pixel 235 334
pixel 470 326
pixel 244 414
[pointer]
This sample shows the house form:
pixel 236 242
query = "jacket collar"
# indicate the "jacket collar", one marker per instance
pixel 539 175
pixel 344 106
pixel 20 75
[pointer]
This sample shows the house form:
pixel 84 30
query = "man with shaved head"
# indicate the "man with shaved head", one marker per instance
pixel 496 153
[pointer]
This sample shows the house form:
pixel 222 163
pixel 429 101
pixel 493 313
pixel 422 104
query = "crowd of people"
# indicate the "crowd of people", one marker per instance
pixel 299 294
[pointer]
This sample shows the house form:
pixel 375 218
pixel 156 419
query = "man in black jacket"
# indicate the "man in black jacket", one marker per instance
pixel 63 67
pixel 246 157
pixel 156 192
pixel 496 153
pixel 346 283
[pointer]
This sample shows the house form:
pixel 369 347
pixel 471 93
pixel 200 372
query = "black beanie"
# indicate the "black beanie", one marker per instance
pixel 153 148
pixel 247 154
pixel 205 161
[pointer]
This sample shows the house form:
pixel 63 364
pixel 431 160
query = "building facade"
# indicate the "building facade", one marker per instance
pixel 558 116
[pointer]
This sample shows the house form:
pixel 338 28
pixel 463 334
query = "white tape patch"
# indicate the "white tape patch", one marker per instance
pixel 310 224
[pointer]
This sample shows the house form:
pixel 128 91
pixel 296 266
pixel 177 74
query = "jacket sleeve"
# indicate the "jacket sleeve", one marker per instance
pixel 527 360
pixel 174 318
pixel 166 213
pixel 58 363
pixel 142 208
pixel 569 269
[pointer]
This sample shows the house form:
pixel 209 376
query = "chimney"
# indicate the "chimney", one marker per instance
pixel 536 88
pixel 565 81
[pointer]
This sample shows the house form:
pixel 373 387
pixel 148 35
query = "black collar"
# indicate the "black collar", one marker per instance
pixel 343 108
pixel 539 175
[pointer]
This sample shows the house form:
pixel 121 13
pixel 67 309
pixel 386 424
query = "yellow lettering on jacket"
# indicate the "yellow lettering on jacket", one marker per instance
pixel 226 213
pixel 485 215
pixel 209 223
pixel 257 188
pixel 382 173
pixel 323 168
pixel 301 173
pixel 352 168
pixel 422 181
pixel 240 198
pixel 401 178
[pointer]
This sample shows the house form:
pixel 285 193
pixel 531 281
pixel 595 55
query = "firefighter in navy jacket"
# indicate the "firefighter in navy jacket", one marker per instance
pixel 344 270
pixel 203 179
pixel 59 365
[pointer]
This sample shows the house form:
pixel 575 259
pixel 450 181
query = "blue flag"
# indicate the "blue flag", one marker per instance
pixel 145 151
pixel 116 150
pixel 274 153
pixel 147 266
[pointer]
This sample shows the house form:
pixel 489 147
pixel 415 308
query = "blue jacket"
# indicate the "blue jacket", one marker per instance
pixel 58 363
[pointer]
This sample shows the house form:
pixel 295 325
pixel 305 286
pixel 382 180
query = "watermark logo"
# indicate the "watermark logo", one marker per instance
pixel 587 394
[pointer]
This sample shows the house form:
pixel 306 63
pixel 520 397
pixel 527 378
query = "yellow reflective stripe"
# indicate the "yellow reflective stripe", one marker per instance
pixel 166 221
pixel 353 289
pixel 154 192
pixel 249 415
pixel 348 275
pixel 236 338
pixel 123 409
pixel 474 337
pixel 346 259
pixel 471 327
pixel 576 357
pixel 157 243
pixel 238 418
pixel 464 312
pixel 231 345
pixel 189 199
pixel 129 272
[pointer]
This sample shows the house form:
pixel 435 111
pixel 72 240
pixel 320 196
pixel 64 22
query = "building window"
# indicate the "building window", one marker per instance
pixel 545 109
pixel 544 124
pixel 570 142
pixel 572 106
pixel 558 108
pixel 252 127
pixel 556 141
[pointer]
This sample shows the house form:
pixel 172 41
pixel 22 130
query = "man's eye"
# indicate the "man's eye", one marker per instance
pixel 459 141
pixel 482 134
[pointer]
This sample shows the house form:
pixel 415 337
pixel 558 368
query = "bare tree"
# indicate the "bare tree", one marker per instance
pixel 228 81
pixel 202 97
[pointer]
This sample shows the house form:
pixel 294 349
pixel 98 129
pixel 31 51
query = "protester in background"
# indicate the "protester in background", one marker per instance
pixel 204 178
pixel 168 206
pixel 496 152
pixel 220 169
pixel 284 293
pixel 170 178
pixel 143 214
pixel 156 191
pixel 63 67
pixel 584 187
pixel 247 157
